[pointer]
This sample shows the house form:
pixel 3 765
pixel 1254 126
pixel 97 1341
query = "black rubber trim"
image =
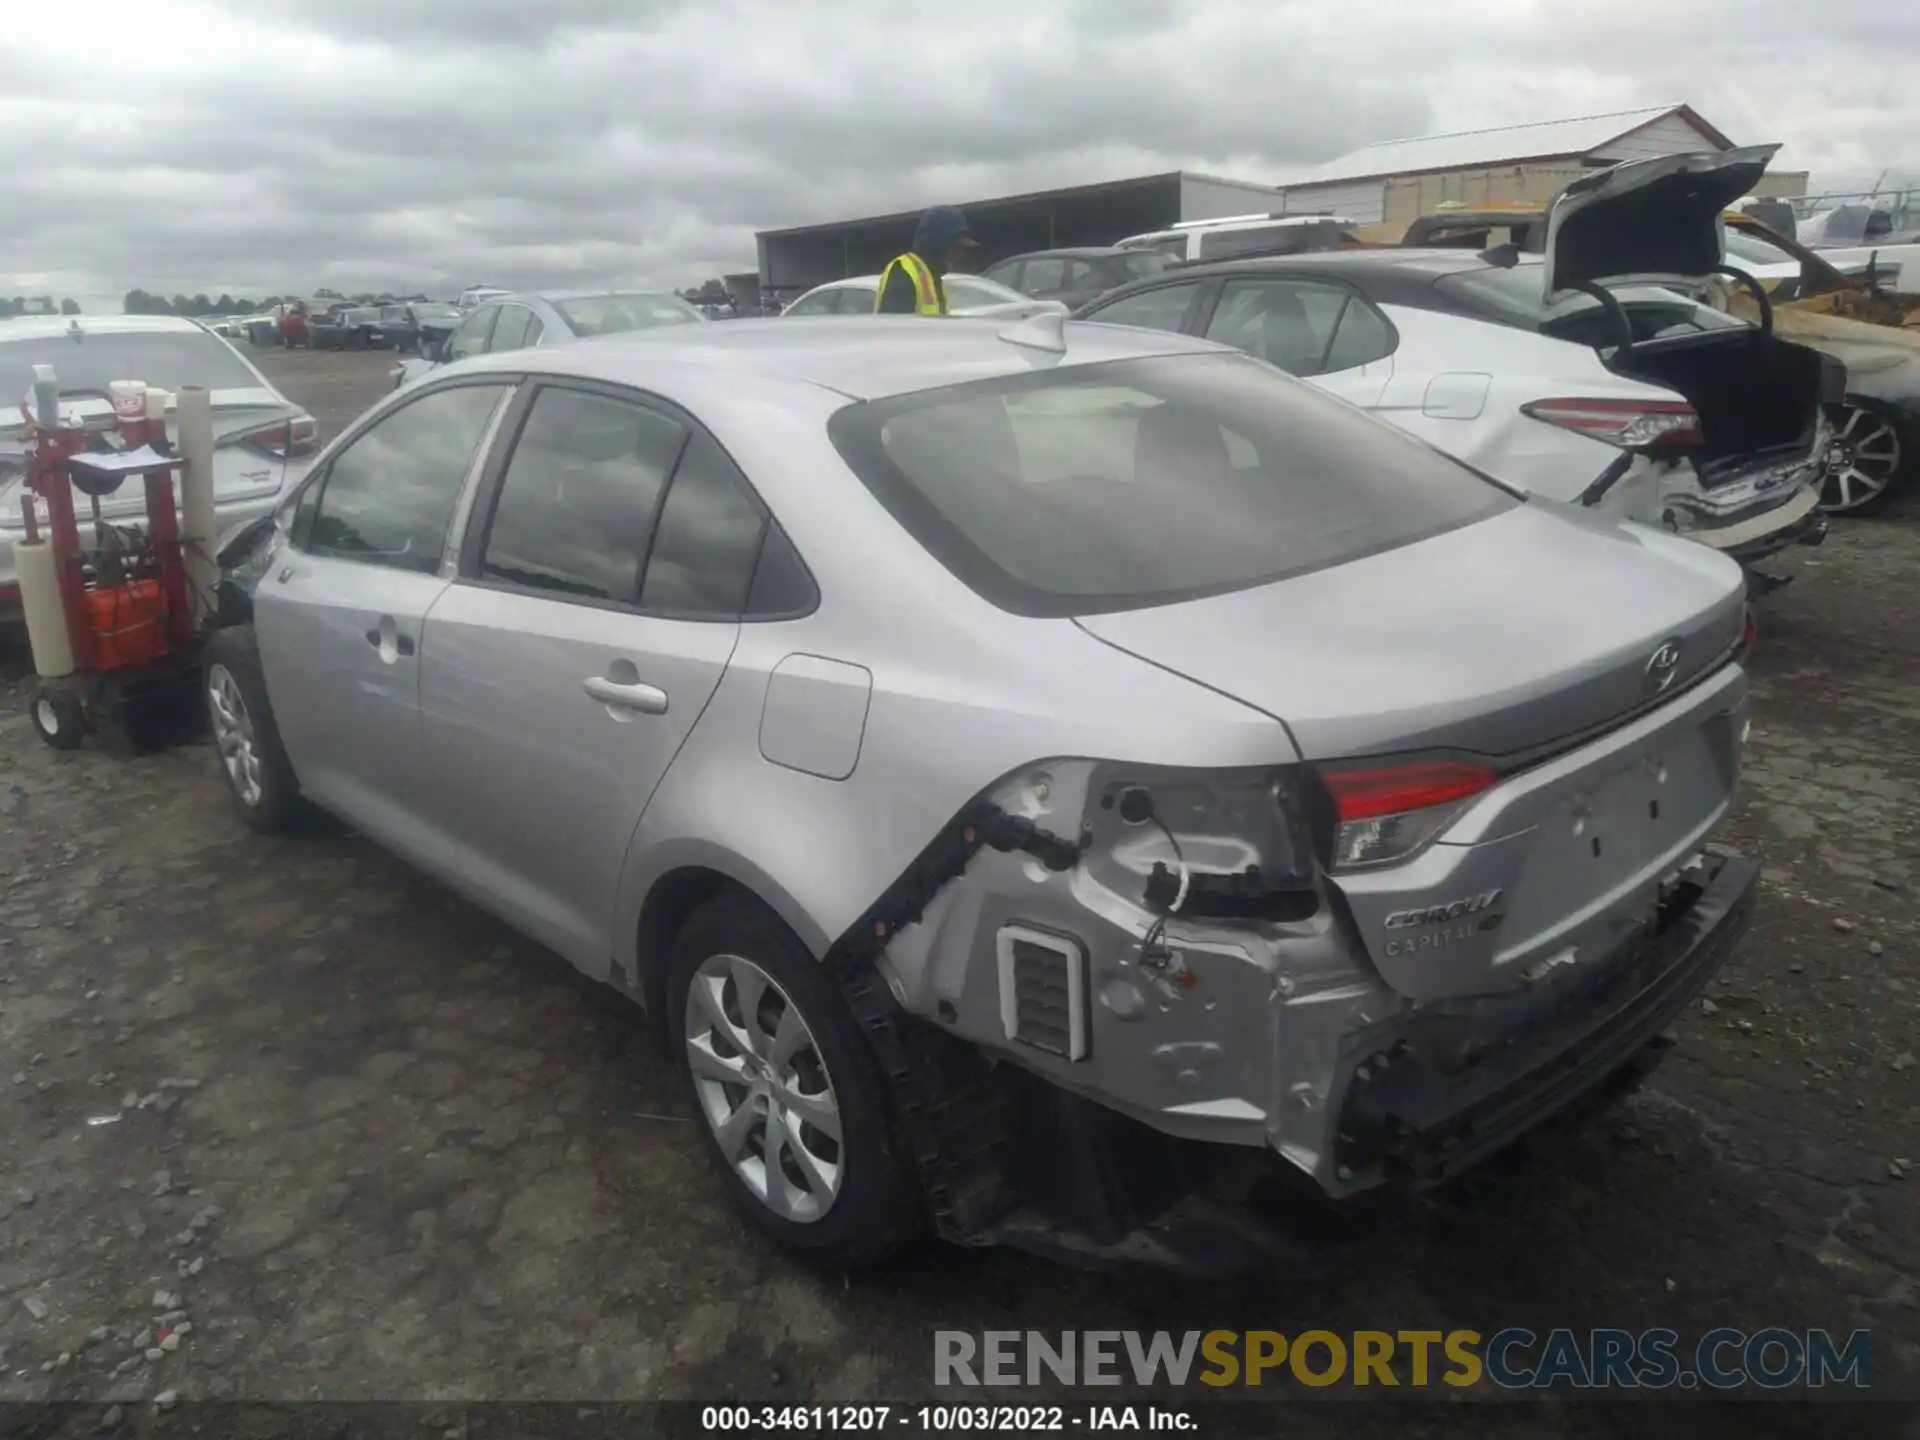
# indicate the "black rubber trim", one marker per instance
pixel 1430 1127
pixel 957 1122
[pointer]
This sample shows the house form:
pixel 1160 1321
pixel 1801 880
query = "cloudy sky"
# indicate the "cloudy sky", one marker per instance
pixel 282 145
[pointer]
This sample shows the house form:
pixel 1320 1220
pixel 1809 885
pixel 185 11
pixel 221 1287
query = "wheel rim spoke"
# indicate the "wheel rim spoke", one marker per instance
pixel 749 990
pixel 706 995
pixel 709 1064
pixel 818 1111
pixel 778 1141
pixel 822 1176
pixel 736 1129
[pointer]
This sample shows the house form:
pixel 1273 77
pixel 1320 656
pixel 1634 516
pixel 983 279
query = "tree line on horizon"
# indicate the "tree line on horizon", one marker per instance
pixel 37 305
pixel 140 302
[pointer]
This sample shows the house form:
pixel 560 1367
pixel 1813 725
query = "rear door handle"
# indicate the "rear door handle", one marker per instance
pixel 645 699
pixel 402 644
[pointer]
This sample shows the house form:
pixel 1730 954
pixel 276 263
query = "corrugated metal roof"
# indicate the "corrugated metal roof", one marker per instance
pixel 1507 143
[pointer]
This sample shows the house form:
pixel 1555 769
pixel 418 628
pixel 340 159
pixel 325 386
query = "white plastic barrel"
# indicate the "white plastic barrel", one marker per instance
pixel 46 620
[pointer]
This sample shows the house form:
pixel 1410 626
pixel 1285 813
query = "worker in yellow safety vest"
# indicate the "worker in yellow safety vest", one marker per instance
pixel 911 284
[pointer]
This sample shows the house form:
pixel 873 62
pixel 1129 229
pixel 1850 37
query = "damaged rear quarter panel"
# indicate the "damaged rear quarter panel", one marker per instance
pixel 949 717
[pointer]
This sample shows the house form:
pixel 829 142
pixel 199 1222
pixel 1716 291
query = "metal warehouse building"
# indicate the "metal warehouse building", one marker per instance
pixel 1385 186
pixel 799 258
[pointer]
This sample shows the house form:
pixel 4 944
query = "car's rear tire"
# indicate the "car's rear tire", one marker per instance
pixel 778 1070
pixel 253 762
pixel 1868 463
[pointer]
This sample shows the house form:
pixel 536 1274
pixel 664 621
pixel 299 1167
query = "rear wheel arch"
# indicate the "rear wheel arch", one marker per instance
pixel 675 895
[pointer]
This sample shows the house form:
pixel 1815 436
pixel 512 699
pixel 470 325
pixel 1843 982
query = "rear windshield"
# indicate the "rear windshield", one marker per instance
pixel 1144 482
pixel 615 314
pixel 166 360
pixel 1513 297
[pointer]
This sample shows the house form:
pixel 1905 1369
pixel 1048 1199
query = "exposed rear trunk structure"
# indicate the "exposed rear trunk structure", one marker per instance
pixel 1758 398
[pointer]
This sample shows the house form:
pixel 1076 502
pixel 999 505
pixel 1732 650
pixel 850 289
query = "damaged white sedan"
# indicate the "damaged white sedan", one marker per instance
pixel 1593 373
pixel 1052 782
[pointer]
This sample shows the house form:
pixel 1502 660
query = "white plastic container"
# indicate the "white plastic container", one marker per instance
pixel 40 600
pixel 129 400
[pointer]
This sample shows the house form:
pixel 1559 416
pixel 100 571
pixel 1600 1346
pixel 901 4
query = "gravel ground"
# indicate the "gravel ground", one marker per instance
pixel 283 1120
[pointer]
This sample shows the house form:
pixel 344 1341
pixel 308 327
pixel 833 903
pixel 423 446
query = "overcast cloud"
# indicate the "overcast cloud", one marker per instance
pixel 257 146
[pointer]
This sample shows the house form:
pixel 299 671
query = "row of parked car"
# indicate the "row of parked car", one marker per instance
pixel 962 735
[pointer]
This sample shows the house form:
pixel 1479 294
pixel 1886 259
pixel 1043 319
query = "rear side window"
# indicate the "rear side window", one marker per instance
pixel 1289 323
pixel 1144 482
pixel 510 332
pixel 708 540
pixel 1363 337
pixel 1162 308
pixel 471 337
pixel 576 506
pixel 388 498
pixel 1044 277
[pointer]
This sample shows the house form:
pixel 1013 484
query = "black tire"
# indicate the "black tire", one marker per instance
pixel 876 1212
pixel 58 717
pixel 275 803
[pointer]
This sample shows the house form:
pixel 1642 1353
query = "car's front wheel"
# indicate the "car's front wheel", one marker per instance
pixel 786 1088
pixel 253 763
pixel 1865 461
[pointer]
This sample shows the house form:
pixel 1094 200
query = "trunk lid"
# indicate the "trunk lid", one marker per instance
pixel 1500 638
pixel 240 472
pixel 1654 221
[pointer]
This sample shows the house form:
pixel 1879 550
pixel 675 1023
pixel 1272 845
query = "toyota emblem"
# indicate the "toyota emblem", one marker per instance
pixel 1663 665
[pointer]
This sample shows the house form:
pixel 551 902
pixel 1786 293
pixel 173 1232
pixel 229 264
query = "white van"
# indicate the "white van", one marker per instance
pixel 1233 235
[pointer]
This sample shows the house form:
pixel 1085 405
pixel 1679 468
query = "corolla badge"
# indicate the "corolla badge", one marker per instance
pixel 1663 666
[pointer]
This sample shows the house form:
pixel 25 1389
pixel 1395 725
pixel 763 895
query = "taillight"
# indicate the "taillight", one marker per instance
pixel 296 436
pixel 1386 813
pixel 1630 424
pixel 1749 634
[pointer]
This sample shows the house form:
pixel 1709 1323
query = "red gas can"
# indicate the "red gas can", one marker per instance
pixel 129 625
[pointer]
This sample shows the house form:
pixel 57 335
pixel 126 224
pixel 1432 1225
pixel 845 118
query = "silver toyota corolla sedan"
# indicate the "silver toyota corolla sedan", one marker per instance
pixel 1017 765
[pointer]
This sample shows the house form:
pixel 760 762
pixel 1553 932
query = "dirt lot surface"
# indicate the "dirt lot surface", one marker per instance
pixel 370 1145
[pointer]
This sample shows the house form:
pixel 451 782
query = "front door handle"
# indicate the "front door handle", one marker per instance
pixel 646 699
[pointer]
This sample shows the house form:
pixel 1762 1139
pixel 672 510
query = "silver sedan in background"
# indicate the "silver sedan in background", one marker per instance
pixel 553 317
pixel 1013 761
pixel 263 442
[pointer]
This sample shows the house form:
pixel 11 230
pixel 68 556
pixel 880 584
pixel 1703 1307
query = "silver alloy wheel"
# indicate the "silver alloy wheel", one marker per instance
pixel 233 734
pixel 1862 461
pixel 763 1087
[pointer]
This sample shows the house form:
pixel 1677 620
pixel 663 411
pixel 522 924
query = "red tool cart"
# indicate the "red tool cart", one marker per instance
pixel 110 613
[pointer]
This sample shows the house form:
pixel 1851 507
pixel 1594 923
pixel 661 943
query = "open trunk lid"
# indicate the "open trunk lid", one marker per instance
pixel 1654 221
pixel 1502 638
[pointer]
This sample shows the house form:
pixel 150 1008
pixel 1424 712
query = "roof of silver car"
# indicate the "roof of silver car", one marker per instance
pixel 863 358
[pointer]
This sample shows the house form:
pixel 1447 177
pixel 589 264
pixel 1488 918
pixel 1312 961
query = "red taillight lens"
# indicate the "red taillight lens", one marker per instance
pixel 1749 634
pixel 1386 813
pixel 1630 424
pixel 296 436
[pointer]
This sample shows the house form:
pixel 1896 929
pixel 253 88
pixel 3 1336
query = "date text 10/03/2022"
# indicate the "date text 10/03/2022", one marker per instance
pixel 920 1419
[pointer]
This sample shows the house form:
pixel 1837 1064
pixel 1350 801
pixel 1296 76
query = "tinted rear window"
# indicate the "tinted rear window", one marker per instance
pixel 166 359
pixel 1144 482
